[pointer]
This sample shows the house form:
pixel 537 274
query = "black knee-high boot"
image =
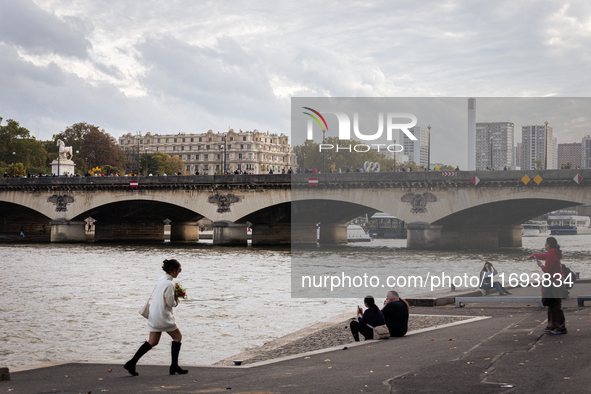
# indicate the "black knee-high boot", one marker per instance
pixel 174 366
pixel 130 365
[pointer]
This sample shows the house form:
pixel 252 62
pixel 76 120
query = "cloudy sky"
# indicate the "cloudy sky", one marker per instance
pixel 189 66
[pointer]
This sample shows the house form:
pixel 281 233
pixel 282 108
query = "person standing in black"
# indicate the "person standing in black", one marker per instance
pixel 395 313
pixel 372 317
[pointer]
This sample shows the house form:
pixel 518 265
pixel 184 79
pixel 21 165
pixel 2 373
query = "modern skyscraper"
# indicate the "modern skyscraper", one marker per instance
pixel 471 134
pixel 569 153
pixel 494 145
pixel 517 155
pixel 417 151
pixel 586 152
pixel 536 147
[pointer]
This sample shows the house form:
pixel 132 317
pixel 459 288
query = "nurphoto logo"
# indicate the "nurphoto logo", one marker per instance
pixel 345 129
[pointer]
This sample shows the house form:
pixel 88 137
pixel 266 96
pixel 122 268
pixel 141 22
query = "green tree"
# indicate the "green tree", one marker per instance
pixel 98 148
pixel 27 150
pixel 168 165
pixel 309 156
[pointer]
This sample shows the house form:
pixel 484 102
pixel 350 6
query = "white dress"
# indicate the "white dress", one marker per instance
pixel 161 317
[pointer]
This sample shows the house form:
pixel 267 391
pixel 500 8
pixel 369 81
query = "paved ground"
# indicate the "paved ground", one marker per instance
pixel 478 357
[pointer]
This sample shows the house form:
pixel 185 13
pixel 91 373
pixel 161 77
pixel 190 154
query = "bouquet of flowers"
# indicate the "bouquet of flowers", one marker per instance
pixel 179 291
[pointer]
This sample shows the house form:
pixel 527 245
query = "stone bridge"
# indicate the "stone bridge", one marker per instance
pixel 442 210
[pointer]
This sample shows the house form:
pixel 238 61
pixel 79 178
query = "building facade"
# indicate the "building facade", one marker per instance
pixel 569 153
pixel 417 151
pixel 494 145
pixel 537 147
pixel 251 151
pixel 586 152
pixel 517 156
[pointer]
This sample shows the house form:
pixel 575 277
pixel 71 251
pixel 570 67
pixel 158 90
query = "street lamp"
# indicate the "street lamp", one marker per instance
pixel 146 157
pixel 491 152
pixel 13 164
pixel 323 151
pixel 77 152
pixel 546 145
pixel 429 151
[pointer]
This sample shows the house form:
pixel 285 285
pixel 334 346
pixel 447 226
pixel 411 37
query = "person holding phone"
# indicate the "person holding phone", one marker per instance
pixel 486 274
pixel 371 317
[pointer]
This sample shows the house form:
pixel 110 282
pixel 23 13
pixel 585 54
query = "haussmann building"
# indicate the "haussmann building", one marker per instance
pixel 252 151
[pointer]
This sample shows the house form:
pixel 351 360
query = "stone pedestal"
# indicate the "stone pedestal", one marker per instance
pixel 186 231
pixel 67 231
pixel 275 234
pixel 421 235
pixel 510 236
pixel 66 167
pixel 333 233
pixel 229 234
pixel 304 233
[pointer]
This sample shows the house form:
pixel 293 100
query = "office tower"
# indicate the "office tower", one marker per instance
pixel 554 153
pixel 471 134
pixel 569 153
pixel 494 145
pixel 517 155
pixel 536 147
pixel 586 152
pixel 417 151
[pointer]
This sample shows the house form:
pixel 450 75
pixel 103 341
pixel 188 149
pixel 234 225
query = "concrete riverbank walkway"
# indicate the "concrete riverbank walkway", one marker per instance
pixel 507 349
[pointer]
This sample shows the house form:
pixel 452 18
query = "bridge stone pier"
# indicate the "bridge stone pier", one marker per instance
pixel 440 211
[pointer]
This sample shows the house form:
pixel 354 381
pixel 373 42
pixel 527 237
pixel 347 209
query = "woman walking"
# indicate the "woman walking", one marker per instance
pixel 552 294
pixel 161 319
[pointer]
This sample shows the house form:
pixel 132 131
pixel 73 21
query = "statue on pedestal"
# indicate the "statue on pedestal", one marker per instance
pixel 63 150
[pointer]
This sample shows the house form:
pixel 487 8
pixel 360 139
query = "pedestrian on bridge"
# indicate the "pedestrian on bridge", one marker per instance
pixel 161 319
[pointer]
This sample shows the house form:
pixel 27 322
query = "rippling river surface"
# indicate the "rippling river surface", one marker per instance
pixel 79 302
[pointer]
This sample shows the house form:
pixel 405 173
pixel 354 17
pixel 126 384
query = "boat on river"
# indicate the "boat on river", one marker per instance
pixel 356 233
pixel 535 228
pixel 569 224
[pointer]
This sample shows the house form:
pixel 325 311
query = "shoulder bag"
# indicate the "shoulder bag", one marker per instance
pixel 145 310
pixel 380 332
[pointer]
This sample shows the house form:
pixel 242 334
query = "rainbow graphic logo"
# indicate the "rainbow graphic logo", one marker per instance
pixel 315 118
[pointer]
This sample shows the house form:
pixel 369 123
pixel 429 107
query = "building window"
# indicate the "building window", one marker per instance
pixel 206 147
pixel 227 155
pixel 248 146
pixel 219 156
pixel 188 168
pixel 240 155
pixel 231 138
pixel 167 140
pixel 157 149
pixel 199 139
pixel 229 147
pixel 243 138
pixel 241 146
pixel 205 157
pixel 239 168
pixel 191 139
pixel 148 141
pixel 158 140
pixel 198 147
pixel 165 148
pixel 141 142
pixel 206 167
pixel 182 148
pixel 183 140
pixel 250 155
pixel 121 142
pixel 209 139
pixel 174 148
pixel 196 157
pixel 175 140
pixel 191 147
pixel 250 166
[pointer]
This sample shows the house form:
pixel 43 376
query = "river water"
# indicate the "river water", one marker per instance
pixel 62 302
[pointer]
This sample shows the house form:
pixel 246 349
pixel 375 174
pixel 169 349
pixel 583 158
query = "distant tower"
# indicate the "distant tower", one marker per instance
pixel 471 134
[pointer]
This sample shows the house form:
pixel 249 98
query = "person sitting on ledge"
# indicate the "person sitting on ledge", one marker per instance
pixel 485 278
pixel 395 313
pixel 372 317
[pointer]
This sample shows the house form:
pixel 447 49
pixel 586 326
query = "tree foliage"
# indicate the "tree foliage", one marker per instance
pixel 164 164
pixel 27 150
pixel 98 148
